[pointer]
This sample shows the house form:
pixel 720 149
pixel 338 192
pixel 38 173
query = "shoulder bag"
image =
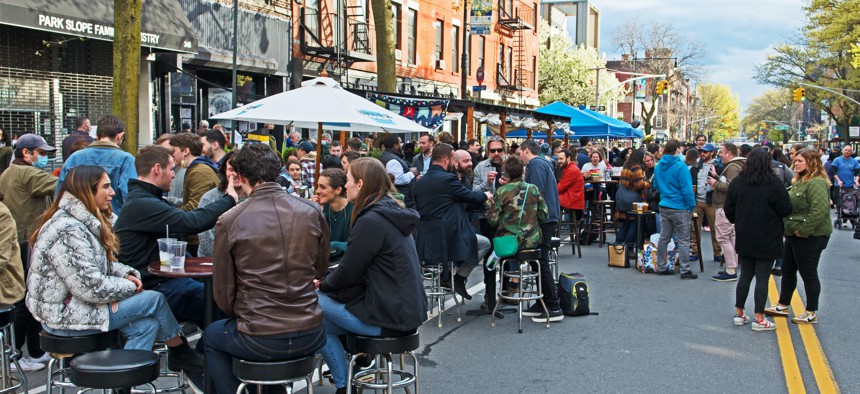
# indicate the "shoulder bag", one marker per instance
pixel 508 245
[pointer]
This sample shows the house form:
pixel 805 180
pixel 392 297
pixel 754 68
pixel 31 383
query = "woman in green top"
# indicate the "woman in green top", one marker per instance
pixel 331 194
pixel 807 231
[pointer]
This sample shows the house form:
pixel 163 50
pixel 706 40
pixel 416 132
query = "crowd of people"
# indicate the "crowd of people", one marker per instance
pixel 301 258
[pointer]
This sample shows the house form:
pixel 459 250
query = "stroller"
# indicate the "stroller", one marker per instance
pixel 847 207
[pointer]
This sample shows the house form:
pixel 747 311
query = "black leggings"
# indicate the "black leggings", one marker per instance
pixel 760 269
pixel 802 255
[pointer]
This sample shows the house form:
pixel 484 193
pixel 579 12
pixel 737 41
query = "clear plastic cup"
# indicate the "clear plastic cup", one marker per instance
pixel 177 255
pixel 163 251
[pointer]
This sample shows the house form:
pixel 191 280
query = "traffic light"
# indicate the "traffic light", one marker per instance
pixel 799 94
pixel 665 87
pixel 658 88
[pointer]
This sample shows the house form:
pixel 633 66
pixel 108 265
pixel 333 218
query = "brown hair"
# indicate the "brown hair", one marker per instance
pixel 188 140
pixel 336 179
pixel 78 145
pixel 375 183
pixel 150 155
pixel 83 182
pixel 513 167
pixel 163 137
pixel 814 168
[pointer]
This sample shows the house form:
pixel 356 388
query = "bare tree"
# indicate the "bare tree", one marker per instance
pixel 126 68
pixel 385 61
pixel 664 51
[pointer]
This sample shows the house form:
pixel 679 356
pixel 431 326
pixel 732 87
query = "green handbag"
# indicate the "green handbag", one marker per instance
pixel 508 245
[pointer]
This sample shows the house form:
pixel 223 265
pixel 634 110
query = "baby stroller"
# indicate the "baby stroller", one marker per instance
pixel 848 207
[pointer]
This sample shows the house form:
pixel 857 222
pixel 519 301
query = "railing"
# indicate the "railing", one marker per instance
pixel 518 16
pixel 318 34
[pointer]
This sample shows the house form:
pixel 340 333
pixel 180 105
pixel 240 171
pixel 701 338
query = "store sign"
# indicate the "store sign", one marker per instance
pixel 481 17
pixel 639 85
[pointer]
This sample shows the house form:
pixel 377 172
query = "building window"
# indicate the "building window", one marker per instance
pixel 312 18
pixel 658 122
pixel 437 27
pixel 481 41
pixel 455 49
pixel 412 33
pixel 468 50
pixel 534 72
pixel 395 20
pixel 510 63
pixel 502 66
pixel 535 16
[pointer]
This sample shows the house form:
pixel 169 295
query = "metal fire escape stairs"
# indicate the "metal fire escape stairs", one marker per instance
pixel 513 23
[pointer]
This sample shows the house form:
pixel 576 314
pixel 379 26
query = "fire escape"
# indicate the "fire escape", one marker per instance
pixel 515 19
pixel 337 38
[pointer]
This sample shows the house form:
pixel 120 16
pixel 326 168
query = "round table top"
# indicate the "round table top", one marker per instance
pixel 195 267
pixel 642 213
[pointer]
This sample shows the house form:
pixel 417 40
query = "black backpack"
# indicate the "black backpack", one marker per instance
pixel 573 295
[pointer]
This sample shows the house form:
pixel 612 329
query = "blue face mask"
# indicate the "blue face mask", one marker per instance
pixel 41 162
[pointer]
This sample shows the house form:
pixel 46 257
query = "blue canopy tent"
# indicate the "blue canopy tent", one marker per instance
pixel 523 133
pixel 629 132
pixel 583 124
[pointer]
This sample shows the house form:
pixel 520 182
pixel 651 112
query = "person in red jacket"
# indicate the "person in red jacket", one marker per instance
pixel 571 186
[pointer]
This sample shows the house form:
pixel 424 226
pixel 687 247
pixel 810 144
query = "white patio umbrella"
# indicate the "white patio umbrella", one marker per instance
pixel 323 104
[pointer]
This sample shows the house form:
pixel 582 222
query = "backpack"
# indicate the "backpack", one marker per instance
pixel 573 295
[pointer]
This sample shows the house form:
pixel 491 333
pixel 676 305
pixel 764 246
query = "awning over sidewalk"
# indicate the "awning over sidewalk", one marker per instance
pixel 163 24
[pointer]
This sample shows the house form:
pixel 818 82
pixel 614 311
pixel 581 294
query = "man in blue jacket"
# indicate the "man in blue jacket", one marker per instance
pixel 673 180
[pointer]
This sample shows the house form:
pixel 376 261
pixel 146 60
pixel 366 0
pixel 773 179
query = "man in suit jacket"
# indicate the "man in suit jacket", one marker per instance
pixel 444 231
pixel 422 161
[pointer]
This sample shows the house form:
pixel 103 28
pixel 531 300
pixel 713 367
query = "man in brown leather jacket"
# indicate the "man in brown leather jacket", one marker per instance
pixel 268 251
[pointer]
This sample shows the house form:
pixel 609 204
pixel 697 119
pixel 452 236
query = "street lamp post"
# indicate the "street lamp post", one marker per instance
pixel 235 48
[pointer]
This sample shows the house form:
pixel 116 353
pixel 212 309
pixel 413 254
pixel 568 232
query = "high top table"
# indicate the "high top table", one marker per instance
pixel 196 268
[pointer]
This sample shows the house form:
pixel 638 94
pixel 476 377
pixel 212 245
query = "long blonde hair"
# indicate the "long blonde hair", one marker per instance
pixel 814 168
pixel 83 182
pixel 375 183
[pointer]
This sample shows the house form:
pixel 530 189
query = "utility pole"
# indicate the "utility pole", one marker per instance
pixel 235 47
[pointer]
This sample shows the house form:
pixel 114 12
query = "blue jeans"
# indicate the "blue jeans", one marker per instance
pixel 337 320
pixel 141 319
pixel 185 297
pixel 674 221
pixel 224 341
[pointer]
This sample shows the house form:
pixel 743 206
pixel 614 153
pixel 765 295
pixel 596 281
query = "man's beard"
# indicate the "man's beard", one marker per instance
pixel 496 161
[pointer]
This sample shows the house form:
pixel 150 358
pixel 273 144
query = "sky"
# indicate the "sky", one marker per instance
pixel 737 34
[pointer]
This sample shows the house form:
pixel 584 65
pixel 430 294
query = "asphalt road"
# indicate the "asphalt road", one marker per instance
pixel 652 334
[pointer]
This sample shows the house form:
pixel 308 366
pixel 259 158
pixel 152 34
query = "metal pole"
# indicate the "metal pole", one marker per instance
pixel 235 47
pixel 597 90
pixel 464 62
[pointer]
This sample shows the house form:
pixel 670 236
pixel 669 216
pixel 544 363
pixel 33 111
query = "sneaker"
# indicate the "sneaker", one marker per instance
pixel 195 381
pixel 694 257
pixel 535 310
pixel 707 229
pixel 43 360
pixel 805 318
pixel 776 310
pixel 27 365
pixel 776 272
pixel 554 315
pixel 725 277
pixel 689 275
pixel 740 320
pixel 763 325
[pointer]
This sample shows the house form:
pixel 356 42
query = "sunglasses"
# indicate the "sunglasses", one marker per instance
pixel 496 150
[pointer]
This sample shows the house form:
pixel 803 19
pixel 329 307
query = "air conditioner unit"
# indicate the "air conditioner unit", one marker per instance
pixel 440 64
pixel 398 54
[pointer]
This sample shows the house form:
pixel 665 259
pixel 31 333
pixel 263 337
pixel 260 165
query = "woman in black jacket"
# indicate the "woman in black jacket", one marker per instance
pixel 377 289
pixel 756 203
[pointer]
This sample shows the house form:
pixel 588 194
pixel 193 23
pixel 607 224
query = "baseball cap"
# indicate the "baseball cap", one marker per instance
pixel 306 146
pixel 708 148
pixel 33 141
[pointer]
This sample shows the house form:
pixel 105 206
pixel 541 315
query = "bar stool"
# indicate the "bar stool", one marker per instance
pixel 62 349
pixel 571 235
pixel 9 352
pixel 383 347
pixel 274 373
pixel 115 369
pixel 433 273
pixel 528 288
pixel 181 380
pixel 696 232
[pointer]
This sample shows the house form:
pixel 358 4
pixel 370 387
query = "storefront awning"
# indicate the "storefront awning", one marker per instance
pixel 163 24
pixel 223 59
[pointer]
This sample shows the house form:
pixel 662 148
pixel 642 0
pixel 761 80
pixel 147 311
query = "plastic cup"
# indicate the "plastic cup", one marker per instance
pixel 177 255
pixel 163 251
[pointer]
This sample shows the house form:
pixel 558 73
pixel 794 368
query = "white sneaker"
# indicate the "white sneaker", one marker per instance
pixel 28 365
pixel 740 320
pixel 44 359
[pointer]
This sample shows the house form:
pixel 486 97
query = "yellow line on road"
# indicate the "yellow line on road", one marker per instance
pixel 793 379
pixel 817 360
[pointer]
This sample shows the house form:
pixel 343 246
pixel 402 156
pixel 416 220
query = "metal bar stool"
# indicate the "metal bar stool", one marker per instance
pixel 274 373
pixel 437 293
pixel 528 288
pixel 571 235
pixel 115 369
pixel 697 233
pixel 601 220
pixel 9 353
pixel 383 374
pixel 555 243
pixel 181 380
pixel 62 349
